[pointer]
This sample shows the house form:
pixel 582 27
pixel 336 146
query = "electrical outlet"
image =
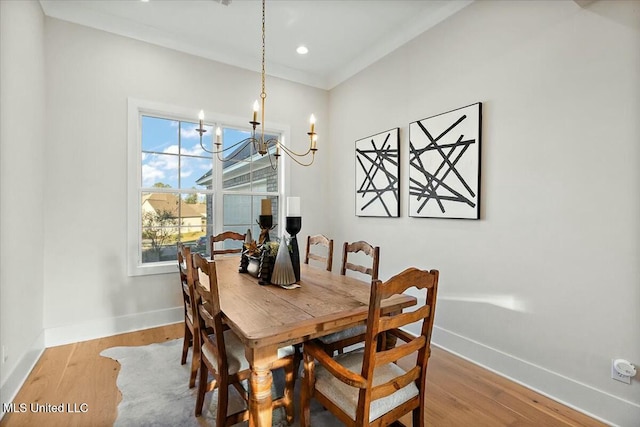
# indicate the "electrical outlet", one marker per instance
pixel 617 375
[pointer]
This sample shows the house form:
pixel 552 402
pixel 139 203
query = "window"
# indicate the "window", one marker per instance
pixel 179 193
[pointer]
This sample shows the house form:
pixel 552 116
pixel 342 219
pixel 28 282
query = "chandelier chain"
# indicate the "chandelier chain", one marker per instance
pixel 264 93
pixel 261 144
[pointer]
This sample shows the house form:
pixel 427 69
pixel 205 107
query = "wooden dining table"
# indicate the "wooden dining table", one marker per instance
pixel 268 317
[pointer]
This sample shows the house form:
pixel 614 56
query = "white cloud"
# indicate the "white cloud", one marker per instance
pixel 156 168
pixel 172 149
pixel 195 151
pixel 151 175
pixel 189 131
pixel 164 168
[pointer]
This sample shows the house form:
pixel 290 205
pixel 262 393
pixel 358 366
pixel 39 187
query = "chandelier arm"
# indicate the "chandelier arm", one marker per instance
pixel 274 166
pixel 292 153
pixel 219 158
pixel 313 157
pixel 246 140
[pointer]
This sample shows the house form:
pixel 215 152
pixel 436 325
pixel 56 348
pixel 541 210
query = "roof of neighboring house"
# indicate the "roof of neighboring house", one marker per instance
pixel 169 202
pixel 240 155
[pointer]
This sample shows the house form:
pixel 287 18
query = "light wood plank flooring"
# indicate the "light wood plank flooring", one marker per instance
pixel 459 393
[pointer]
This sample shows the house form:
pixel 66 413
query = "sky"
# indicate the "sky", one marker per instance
pixel 164 139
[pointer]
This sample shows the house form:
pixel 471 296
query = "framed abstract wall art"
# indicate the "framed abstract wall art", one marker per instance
pixel 444 164
pixel 377 174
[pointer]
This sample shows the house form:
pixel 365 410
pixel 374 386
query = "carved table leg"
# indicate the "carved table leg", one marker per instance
pixel 261 380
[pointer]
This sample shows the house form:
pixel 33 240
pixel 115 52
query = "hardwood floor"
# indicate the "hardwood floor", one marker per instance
pixel 459 393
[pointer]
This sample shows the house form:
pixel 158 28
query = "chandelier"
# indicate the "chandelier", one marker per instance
pixel 268 146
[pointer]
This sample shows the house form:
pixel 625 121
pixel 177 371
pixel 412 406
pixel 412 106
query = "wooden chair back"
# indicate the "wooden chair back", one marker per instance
pixel 378 325
pixel 320 240
pixel 210 316
pixel 379 375
pixel 207 297
pixel 184 252
pixel 191 338
pixel 367 249
pixel 226 235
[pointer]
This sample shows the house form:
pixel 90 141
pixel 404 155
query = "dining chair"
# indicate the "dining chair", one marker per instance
pixel 324 241
pixel 191 338
pixel 367 249
pixel 226 235
pixel 366 386
pixel 338 341
pixel 223 354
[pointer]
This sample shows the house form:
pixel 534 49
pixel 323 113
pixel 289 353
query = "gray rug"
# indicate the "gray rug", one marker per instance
pixel 155 390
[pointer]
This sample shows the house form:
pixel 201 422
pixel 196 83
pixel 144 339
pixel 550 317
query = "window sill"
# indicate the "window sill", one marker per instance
pixel 151 269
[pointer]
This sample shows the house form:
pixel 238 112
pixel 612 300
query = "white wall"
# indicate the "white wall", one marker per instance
pixel 90 75
pixel 559 234
pixel 22 139
pixel 544 288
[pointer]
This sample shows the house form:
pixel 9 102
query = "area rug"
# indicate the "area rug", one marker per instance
pixel 155 391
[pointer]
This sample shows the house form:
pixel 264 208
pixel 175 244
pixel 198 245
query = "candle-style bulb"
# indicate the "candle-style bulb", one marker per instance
pixel 293 206
pixel 256 107
pixel 201 118
pixel 312 120
pixel 218 134
pixel 314 139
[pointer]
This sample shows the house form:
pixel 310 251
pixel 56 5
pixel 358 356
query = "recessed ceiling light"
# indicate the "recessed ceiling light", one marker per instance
pixel 302 50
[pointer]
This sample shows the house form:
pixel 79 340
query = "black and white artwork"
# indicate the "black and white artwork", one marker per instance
pixel 377 174
pixel 444 164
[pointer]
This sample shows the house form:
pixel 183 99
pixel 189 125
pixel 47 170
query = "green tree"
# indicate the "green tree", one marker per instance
pixel 191 199
pixel 161 185
pixel 158 228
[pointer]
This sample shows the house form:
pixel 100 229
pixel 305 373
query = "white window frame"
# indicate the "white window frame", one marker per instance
pixel 136 109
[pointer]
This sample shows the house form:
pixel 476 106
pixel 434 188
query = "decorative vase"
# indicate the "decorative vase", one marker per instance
pixel 282 273
pixel 293 227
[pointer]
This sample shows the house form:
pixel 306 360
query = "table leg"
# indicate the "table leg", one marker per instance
pixel 391 340
pixel 260 400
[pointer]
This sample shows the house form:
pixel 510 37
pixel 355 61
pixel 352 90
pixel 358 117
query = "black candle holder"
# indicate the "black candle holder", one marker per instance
pixel 266 224
pixel 293 227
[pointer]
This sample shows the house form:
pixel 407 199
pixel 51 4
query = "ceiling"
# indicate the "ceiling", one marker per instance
pixel 343 36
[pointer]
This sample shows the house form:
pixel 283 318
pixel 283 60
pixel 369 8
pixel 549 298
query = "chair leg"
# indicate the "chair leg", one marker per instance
pixel 418 416
pixel 185 344
pixel 195 363
pixel 202 387
pixel 223 401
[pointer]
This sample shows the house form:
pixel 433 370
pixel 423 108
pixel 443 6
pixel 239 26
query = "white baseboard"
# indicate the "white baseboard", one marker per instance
pixel 581 397
pixel 99 328
pixel 596 403
pixel 19 375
